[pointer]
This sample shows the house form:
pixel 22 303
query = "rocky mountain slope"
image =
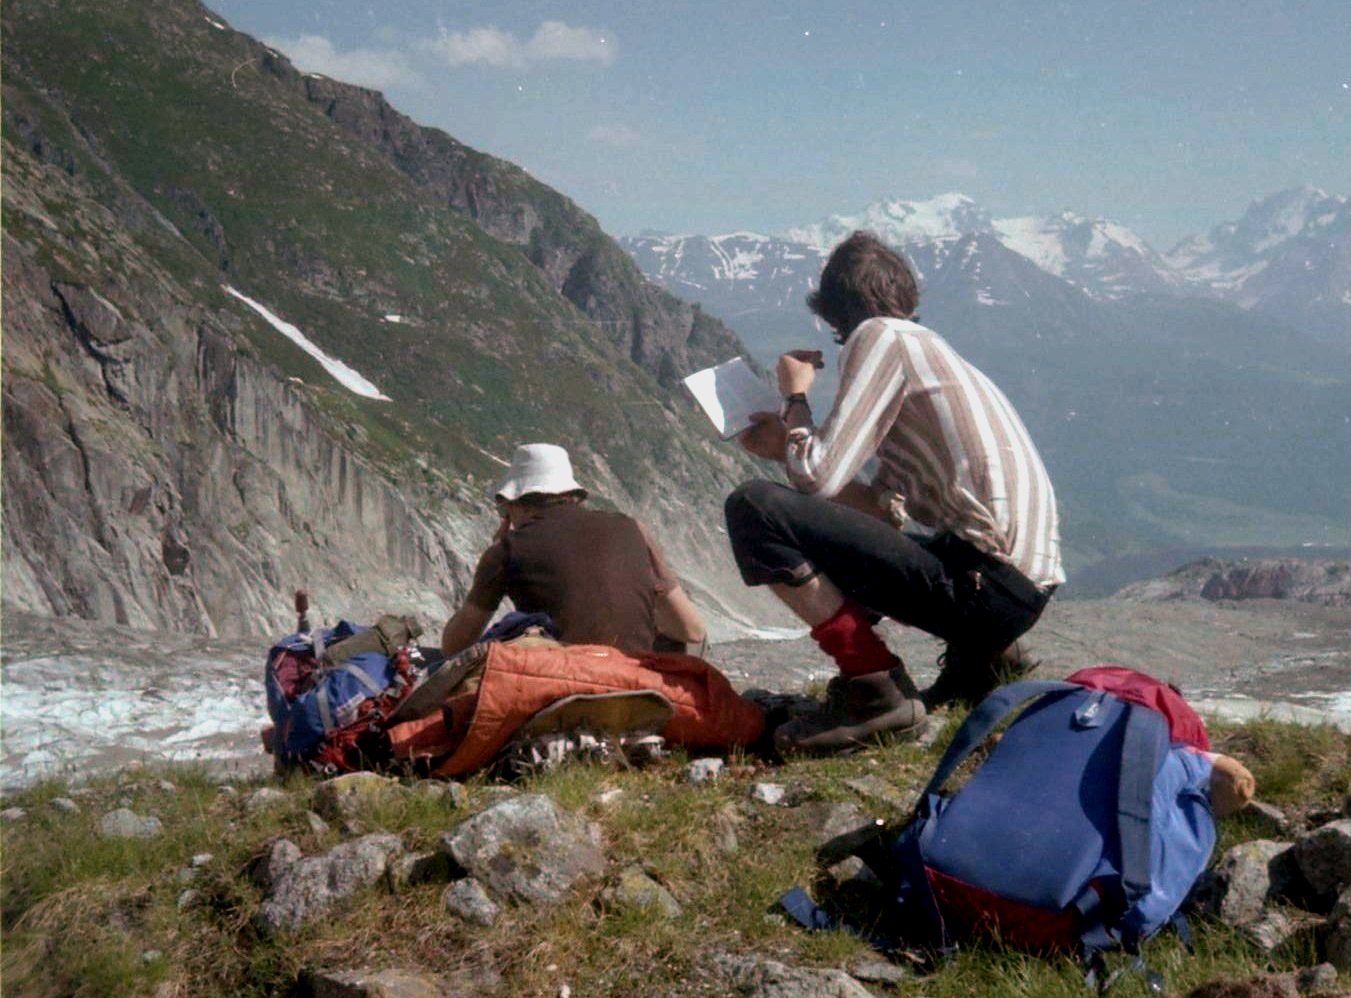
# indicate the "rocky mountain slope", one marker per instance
pixel 1175 410
pixel 196 236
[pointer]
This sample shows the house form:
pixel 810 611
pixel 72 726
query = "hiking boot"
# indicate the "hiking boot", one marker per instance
pixel 856 710
pixel 968 675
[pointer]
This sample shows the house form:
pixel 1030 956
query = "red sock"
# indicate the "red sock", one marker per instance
pixel 849 638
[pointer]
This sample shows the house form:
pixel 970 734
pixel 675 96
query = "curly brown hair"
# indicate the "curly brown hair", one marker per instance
pixel 863 278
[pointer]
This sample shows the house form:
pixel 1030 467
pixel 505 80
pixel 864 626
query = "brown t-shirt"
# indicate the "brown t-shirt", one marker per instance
pixel 595 573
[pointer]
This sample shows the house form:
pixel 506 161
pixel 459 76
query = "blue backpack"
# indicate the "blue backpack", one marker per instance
pixel 1082 831
pixel 327 685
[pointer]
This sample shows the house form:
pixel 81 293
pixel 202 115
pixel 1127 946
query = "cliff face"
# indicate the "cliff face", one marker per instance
pixel 171 460
pixel 156 476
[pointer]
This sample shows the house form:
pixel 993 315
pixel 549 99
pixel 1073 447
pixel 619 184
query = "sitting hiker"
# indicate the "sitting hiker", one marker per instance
pixel 952 456
pixel 600 576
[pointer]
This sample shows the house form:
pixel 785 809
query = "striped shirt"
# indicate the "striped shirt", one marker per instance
pixel 952 453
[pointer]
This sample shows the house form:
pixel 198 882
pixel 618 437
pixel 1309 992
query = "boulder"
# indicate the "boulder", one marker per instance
pixel 1324 858
pixel 1320 980
pixel 311 887
pixel 526 849
pixel 470 901
pixel 395 983
pixel 125 823
pixel 1246 878
pixel 345 798
pixel 754 977
pixel 635 889
pixel 1337 933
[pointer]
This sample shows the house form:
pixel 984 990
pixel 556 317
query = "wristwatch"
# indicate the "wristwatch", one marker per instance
pixel 797 398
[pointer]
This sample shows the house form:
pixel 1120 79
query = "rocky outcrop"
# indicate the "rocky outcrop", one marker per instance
pixel 1324 582
pixel 157 476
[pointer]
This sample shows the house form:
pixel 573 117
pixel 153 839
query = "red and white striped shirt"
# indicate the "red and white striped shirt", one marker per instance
pixel 950 446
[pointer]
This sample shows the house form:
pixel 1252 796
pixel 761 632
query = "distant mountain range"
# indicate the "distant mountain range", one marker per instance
pixel 1289 254
pixel 1198 398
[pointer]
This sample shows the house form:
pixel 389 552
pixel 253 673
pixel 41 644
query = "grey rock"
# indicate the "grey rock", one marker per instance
pixel 64 804
pixel 187 875
pixel 1242 882
pixel 1310 981
pixel 124 823
pixel 638 890
pixel 151 956
pixel 1275 927
pixel 1324 858
pixel 880 972
pixel 389 983
pixel 317 824
pixel 468 899
pixel 312 886
pixel 225 790
pixel 166 787
pixel 281 855
pixel 768 793
pixel 838 828
pixel 703 770
pixel 412 869
pixel 449 791
pixel 11 814
pixel 1337 933
pixel 608 796
pixel 189 898
pixel 725 823
pixel 347 797
pixel 265 798
pixel 931 733
pixel 526 849
pixel 202 858
pixel 881 792
pixel 1319 980
pixel 755 977
pixel 1270 819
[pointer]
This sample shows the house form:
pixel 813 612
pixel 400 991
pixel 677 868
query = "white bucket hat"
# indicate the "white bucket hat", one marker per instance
pixel 543 468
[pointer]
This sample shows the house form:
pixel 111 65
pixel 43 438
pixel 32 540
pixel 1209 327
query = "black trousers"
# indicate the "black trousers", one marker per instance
pixel 943 584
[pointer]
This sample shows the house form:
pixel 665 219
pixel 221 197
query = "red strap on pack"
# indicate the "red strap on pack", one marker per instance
pixel 1184 724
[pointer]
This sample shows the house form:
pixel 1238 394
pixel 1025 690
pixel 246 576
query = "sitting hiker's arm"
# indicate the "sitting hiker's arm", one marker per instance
pixel 463 629
pixel 677 617
pixel 489 586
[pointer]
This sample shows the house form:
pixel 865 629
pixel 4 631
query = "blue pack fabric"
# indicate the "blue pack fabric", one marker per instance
pixel 337 692
pixel 1084 819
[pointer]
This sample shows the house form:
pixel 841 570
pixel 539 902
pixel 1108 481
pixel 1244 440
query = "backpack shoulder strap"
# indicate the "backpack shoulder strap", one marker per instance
pixel 984 719
pixel 1143 744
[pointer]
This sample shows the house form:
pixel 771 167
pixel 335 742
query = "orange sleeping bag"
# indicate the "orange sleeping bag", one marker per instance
pixel 519 680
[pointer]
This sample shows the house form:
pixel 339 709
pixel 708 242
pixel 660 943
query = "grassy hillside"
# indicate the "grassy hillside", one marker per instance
pixel 88 915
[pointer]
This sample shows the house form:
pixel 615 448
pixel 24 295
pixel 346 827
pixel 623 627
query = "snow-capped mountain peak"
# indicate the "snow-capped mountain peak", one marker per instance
pixel 900 223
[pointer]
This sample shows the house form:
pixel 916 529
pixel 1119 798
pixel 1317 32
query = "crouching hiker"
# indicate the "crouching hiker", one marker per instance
pixel 952 457
pixel 599 575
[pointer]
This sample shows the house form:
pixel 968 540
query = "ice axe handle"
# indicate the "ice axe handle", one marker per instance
pixel 302 611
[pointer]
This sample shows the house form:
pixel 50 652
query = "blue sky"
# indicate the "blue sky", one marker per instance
pixel 1168 117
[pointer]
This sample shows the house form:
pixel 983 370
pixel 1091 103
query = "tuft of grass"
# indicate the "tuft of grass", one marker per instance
pixel 89 916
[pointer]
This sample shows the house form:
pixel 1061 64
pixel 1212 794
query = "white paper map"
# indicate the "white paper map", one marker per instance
pixel 729 393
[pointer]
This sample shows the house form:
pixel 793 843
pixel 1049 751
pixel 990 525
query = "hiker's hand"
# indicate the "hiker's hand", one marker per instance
pixel 797 370
pixel 767 436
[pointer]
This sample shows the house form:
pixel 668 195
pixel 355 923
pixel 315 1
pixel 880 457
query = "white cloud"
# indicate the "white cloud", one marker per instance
pixel 365 67
pixel 614 135
pixel 552 40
